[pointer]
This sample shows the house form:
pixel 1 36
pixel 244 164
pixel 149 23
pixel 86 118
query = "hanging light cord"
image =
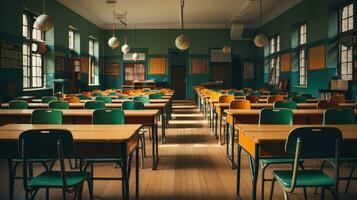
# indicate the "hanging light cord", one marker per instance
pixel 44 6
pixel 182 5
pixel 261 12
pixel 113 20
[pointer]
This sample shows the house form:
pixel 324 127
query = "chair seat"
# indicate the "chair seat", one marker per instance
pixel 308 178
pixel 53 179
pixel 269 161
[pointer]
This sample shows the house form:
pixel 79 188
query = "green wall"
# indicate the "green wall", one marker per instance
pixel 322 25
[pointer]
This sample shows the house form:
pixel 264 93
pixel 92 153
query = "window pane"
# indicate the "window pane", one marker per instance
pixel 71 39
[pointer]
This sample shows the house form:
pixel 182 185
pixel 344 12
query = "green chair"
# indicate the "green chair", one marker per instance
pixel 299 99
pixel 46 116
pixel 155 96
pixel 50 144
pixel 105 116
pixel 48 99
pixel 94 105
pixel 97 94
pixel 341 116
pixel 58 105
pixel 106 99
pixel 274 116
pixel 83 97
pixel 238 94
pixel 18 104
pixel 113 94
pixel 142 99
pixel 285 104
pixel 231 92
pixel 132 105
pixel 301 144
pixel 307 96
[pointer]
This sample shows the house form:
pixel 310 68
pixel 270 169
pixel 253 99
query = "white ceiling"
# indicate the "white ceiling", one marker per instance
pixel 157 14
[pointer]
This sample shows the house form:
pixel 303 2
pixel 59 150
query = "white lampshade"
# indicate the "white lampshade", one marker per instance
pixel 113 42
pixel 135 56
pixel 182 42
pixel 125 48
pixel 260 40
pixel 43 22
pixel 226 49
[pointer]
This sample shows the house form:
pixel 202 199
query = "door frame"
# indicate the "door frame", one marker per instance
pixel 186 53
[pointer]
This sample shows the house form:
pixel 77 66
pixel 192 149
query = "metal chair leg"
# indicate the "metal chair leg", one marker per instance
pixel 263 181
pixel 272 189
pixel 321 169
pixel 322 193
pixel 350 177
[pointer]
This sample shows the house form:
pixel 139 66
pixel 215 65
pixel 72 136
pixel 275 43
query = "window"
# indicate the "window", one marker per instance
pixel 93 75
pixel 133 72
pixel 32 61
pixel 346 62
pixel 347 18
pixel 274 56
pixel 302 54
pixel 71 39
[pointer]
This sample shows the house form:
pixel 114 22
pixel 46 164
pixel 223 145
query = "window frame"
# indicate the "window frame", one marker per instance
pixel 73 39
pixel 341 19
pixel 93 74
pixel 303 47
pixel 28 42
pixel 274 58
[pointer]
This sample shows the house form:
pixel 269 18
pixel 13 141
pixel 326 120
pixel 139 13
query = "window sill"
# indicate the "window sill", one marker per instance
pixel 36 89
pixel 93 84
pixel 300 86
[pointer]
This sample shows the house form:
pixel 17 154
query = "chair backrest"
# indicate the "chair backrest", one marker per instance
pixel 240 104
pixel 285 104
pixel 47 99
pixel 108 116
pixel 252 99
pixel 105 99
pixel 72 99
pixel 97 94
pixel 307 96
pixel 155 96
pixel 276 116
pixel 232 91
pixel 113 94
pixel 316 142
pixel 83 97
pixel 46 116
pixel 238 94
pixel 18 104
pixel 132 105
pixel 325 104
pixel 299 99
pixel 215 95
pixel 338 99
pixel 58 105
pixel 272 99
pixel 123 96
pixel 94 105
pixel 226 99
pixel 339 116
pixel 142 99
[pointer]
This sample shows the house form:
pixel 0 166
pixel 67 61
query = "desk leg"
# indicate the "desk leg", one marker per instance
pixel 155 146
pixel 216 125
pixel 11 179
pixel 233 165
pixel 255 171
pixel 163 127
pixel 220 129
pixel 125 179
pixel 137 173
pixel 239 154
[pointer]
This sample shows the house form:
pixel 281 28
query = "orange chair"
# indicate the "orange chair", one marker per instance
pixel 72 99
pixel 226 98
pixel 272 99
pixel 252 99
pixel 338 99
pixel 325 104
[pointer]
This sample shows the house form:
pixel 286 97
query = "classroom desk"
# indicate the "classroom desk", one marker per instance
pixel 301 116
pixel 84 116
pixel 261 141
pixel 162 107
pixel 91 141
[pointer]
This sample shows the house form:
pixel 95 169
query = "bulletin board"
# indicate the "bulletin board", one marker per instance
pixel 111 69
pixel 10 56
pixel 198 65
pixel 157 66
pixel 317 57
pixel 285 62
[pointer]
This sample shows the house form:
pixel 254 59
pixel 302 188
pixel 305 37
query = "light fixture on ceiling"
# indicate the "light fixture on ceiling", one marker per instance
pixel 182 41
pixel 113 42
pixel 226 49
pixel 135 55
pixel 260 40
pixel 43 22
pixel 125 48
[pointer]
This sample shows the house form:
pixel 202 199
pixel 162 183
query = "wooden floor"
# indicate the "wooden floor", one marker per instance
pixel 192 166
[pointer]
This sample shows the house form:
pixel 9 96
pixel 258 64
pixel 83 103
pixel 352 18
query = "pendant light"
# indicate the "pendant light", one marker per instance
pixel 260 40
pixel 135 55
pixel 182 41
pixel 125 48
pixel 43 22
pixel 113 42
